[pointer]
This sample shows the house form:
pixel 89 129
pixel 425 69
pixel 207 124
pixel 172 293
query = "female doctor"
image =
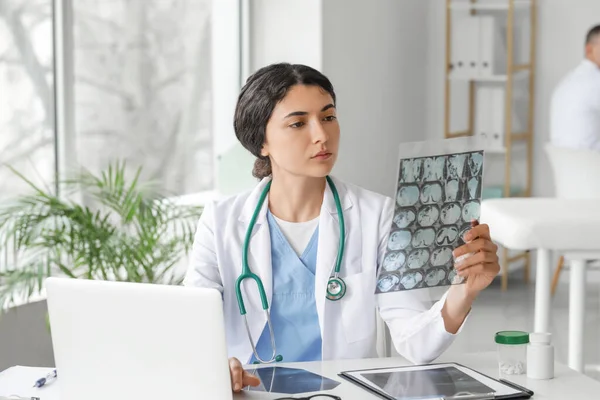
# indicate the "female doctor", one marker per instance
pixel 318 304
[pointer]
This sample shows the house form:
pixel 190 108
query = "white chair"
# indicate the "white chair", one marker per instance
pixel 576 172
pixel 576 176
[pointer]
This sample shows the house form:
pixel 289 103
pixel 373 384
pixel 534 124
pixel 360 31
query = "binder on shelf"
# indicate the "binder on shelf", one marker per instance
pixel 486 46
pixel 459 53
pixel 464 58
pixel 499 46
pixel 482 112
pixel 497 117
pixel 492 47
pixel 473 47
pixel 489 117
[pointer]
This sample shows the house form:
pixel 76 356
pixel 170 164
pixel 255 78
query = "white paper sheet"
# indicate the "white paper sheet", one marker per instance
pixel 19 381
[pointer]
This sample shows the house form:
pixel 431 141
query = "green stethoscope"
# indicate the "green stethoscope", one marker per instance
pixel 336 287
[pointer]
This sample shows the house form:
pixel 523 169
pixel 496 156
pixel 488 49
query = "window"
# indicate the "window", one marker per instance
pixel 152 82
pixel 143 83
pixel 26 94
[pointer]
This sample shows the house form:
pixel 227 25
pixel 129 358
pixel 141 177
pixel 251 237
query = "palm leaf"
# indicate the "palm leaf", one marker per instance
pixel 123 229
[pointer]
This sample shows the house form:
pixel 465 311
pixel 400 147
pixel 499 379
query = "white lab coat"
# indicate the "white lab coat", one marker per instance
pixel 575 109
pixel 348 326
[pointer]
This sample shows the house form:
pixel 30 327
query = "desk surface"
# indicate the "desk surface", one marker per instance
pixel 567 383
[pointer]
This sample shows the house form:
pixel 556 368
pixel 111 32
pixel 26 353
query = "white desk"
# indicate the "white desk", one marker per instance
pixel 569 227
pixel 567 384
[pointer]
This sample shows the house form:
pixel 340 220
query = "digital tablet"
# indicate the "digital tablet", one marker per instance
pixel 287 380
pixel 436 381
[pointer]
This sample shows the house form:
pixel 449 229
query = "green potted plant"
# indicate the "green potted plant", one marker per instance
pixel 101 227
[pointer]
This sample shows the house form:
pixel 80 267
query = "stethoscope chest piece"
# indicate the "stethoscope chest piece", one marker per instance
pixel 336 288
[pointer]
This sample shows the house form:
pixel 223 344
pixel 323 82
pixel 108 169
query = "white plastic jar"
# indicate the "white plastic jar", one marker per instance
pixel 512 352
pixel 540 356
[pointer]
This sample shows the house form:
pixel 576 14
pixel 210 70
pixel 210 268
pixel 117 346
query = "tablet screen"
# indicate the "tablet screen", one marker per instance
pixel 290 381
pixel 426 383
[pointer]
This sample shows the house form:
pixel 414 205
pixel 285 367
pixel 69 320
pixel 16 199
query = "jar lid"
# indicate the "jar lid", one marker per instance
pixel 540 337
pixel 512 337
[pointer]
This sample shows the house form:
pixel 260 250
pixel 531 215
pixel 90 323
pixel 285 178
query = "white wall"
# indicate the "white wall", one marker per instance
pixel 436 56
pixel 279 30
pixel 374 52
pixel 285 30
pixel 560 35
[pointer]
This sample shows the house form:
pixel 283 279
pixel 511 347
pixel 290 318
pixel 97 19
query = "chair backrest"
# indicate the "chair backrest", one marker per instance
pixel 576 172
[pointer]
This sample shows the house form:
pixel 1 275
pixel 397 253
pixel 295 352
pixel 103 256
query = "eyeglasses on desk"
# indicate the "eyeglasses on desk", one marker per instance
pixel 313 397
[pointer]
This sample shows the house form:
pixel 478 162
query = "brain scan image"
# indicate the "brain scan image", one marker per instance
pixel 431 193
pixel 452 190
pixel 456 166
pixel 433 169
pixel 417 259
pixel 399 240
pixel 450 213
pixel 428 215
pixel 408 196
pixel 435 276
pixel 446 235
pixel 423 238
pixel 470 211
pixel 473 186
pixel 394 261
pixel 387 282
pixel 441 256
pixel 404 218
pixel 411 279
pixel 411 170
pixel 476 164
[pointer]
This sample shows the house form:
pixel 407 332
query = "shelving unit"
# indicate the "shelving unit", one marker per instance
pixel 521 72
pixel 515 74
pixel 495 5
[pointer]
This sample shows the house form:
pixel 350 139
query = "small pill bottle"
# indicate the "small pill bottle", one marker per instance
pixel 540 356
pixel 512 352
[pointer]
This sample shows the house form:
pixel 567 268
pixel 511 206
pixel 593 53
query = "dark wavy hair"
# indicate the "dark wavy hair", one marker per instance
pixel 259 96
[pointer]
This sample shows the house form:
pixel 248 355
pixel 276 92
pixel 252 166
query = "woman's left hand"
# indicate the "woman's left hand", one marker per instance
pixel 481 267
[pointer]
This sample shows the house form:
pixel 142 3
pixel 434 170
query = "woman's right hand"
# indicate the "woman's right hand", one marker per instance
pixel 239 377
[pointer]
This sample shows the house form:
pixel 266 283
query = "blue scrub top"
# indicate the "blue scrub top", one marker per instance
pixel 293 307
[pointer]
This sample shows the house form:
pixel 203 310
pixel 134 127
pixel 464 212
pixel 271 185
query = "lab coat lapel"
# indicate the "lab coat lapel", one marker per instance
pixel 259 259
pixel 328 245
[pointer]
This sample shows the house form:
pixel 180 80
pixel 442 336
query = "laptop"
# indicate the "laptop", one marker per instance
pixel 124 341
